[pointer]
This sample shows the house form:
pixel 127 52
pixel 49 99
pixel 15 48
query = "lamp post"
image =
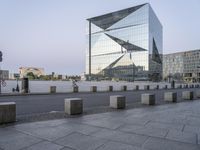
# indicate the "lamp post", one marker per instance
pixel 197 75
pixel 1 59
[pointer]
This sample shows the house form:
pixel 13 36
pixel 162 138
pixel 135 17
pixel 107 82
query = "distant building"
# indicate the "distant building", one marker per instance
pixel 13 76
pixel 4 74
pixel 125 45
pixel 59 76
pixel 36 71
pixel 183 66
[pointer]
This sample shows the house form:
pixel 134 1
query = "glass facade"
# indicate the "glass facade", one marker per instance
pixel 125 45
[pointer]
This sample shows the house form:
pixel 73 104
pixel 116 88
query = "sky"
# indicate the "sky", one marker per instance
pixel 51 34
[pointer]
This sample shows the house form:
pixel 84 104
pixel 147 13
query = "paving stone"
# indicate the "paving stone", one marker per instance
pixel 192 129
pixel 81 128
pixel 80 142
pixel 136 120
pixel 35 125
pixel 14 140
pixel 167 126
pixel 45 146
pixel 195 121
pixel 65 148
pixel 154 132
pixel 105 123
pixel 117 136
pixel 164 144
pixel 198 138
pixel 182 137
pixel 48 133
pixel 117 146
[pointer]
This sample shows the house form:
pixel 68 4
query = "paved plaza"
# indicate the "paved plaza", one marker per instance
pixel 165 127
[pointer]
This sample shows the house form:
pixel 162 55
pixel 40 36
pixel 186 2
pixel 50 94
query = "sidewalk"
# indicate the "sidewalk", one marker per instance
pixel 165 127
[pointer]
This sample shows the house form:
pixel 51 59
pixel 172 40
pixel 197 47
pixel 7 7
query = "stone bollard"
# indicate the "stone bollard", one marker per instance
pixel 75 89
pixel 157 87
pixel 118 101
pixel 146 87
pixel 188 95
pixel 165 87
pixel 52 89
pixel 110 88
pixel 73 106
pixel 170 96
pixel 124 88
pixel 148 99
pixel 198 94
pixel 137 87
pixel 93 89
pixel 7 112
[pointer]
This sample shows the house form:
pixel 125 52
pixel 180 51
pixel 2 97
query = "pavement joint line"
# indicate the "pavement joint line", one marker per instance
pixel 183 127
pixel 24 148
pixel 147 122
pixel 64 146
pixel 104 144
pixel 168 130
pixel 197 139
pixel 118 141
pixel 29 134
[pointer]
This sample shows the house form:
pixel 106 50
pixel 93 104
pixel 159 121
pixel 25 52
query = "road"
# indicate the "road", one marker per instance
pixel 34 104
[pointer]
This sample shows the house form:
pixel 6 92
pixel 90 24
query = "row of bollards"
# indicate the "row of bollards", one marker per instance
pixel 74 106
pixel 124 88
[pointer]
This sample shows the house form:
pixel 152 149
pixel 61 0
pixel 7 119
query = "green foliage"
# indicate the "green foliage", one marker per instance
pixel 31 76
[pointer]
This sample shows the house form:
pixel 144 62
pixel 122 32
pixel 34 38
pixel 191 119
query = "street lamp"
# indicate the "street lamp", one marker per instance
pixel 1 59
pixel 198 67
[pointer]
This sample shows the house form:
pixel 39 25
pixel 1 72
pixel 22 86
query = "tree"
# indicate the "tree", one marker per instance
pixel 31 76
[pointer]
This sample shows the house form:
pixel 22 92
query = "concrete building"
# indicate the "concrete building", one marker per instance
pixel 4 74
pixel 36 71
pixel 125 45
pixel 14 76
pixel 183 66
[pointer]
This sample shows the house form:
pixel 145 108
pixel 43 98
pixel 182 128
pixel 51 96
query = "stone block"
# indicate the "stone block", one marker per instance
pixel 93 89
pixel 110 88
pixel 7 112
pixel 52 89
pixel 188 95
pixel 73 106
pixel 146 87
pixel 124 88
pixel 170 96
pixel 198 93
pixel 75 89
pixel 148 99
pixel 118 101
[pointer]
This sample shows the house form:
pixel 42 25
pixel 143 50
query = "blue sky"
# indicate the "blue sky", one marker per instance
pixel 51 33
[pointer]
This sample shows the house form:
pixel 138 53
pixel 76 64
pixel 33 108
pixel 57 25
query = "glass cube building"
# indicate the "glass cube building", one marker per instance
pixel 125 45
